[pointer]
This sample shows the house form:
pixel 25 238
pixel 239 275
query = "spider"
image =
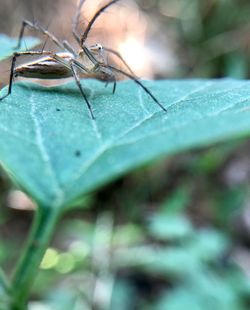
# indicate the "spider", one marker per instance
pixel 88 62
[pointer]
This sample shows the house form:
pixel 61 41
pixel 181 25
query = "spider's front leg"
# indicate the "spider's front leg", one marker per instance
pixel 117 54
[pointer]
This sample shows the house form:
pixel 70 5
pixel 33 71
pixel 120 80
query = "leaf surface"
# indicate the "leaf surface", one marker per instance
pixel 56 152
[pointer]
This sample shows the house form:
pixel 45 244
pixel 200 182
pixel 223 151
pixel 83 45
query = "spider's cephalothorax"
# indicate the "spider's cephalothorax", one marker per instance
pixel 94 58
pixel 94 54
pixel 88 62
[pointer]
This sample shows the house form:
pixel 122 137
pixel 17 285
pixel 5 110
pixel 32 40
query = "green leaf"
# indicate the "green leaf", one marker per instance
pixel 177 201
pixel 56 152
pixel 8 45
pixel 169 227
pixel 204 291
pixel 208 245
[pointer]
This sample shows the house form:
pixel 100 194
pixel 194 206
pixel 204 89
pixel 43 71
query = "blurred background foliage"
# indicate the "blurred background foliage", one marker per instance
pixel 173 235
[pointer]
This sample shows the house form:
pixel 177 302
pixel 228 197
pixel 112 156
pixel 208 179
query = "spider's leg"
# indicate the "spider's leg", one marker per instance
pixel 139 83
pixel 45 32
pixel 76 21
pixel 73 66
pixel 69 47
pixel 91 56
pixel 109 50
pixel 11 77
pixel 12 70
pixel 114 85
pixel 94 18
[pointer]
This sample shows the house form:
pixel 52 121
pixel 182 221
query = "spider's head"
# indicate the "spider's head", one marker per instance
pixel 96 48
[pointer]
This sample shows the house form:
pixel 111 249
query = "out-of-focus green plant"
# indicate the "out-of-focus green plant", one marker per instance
pixel 119 264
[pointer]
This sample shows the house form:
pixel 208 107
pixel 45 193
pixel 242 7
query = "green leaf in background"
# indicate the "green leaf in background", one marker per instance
pixel 205 291
pixel 169 226
pixel 8 45
pixel 56 152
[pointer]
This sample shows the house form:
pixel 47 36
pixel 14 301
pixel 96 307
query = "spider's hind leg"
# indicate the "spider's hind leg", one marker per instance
pixel 36 26
pixel 13 63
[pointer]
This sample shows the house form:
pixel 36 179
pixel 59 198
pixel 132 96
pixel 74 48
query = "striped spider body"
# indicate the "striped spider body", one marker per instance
pixel 46 68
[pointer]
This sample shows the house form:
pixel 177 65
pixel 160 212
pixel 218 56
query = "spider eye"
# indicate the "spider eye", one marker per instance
pixel 96 48
pixel 99 46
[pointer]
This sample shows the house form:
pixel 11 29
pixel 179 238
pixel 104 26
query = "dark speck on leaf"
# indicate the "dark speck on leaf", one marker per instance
pixel 77 153
pixel 58 109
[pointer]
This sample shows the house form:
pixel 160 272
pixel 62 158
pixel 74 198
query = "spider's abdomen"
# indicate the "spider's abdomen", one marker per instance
pixel 46 68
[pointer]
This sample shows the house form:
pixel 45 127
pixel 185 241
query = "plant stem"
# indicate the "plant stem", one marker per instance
pixel 43 226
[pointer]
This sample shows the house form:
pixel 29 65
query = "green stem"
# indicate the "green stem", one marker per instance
pixel 41 232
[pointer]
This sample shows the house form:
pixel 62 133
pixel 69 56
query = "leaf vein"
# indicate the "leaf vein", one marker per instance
pixel 44 155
